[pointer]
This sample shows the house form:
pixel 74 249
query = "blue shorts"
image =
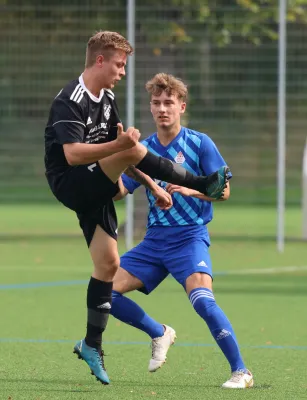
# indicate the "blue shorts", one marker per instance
pixel 157 256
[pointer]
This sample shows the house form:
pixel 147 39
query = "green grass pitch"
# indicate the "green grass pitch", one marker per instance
pixel 44 266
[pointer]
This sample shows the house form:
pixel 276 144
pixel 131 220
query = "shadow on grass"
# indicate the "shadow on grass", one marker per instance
pixel 98 386
pixel 123 383
pixel 40 385
pixel 42 380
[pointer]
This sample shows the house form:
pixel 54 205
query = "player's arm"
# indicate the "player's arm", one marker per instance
pixel 137 176
pixel 69 127
pixel 123 191
pixel 140 177
pixel 84 153
pixel 194 193
pixel 210 160
pixel 225 196
pixel 163 199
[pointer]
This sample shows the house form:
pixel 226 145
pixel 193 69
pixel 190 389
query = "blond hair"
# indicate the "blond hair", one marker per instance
pixel 169 84
pixel 105 43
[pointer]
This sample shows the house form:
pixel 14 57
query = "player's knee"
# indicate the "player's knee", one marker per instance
pixel 113 265
pixel 108 266
pixel 203 301
pixel 112 260
pixel 135 154
pixel 124 282
pixel 198 280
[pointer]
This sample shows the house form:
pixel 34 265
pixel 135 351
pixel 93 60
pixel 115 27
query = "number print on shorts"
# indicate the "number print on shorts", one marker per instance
pixel 92 166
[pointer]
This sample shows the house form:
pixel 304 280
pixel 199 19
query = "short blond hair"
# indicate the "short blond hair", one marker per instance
pixel 105 43
pixel 169 84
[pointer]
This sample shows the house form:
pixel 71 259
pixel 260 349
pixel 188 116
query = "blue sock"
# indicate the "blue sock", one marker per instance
pixel 129 312
pixel 204 303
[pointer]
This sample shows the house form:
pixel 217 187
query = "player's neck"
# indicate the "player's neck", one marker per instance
pixel 90 82
pixel 167 135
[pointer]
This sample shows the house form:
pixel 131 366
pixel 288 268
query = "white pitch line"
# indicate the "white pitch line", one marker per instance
pixel 86 268
pixel 274 270
pixel 41 267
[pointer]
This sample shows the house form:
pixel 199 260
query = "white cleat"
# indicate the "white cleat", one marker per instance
pixel 239 380
pixel 160 346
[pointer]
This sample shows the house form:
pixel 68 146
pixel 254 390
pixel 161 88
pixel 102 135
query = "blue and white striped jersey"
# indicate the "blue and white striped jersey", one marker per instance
pixel 197 153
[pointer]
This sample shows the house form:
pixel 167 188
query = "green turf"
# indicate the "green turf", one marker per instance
pixel 55 219
pixel 43 219
pixel 266 310
pixel 248 221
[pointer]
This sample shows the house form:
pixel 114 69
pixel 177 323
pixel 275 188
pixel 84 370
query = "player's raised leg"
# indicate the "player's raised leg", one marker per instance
pixel 103 249
pixel 199 290
pixel 162 168
pixel 129 312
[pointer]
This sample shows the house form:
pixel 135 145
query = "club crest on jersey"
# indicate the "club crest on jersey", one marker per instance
pixel 107 111
pixel 179 159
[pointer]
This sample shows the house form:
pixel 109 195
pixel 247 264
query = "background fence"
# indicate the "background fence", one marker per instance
pixel 226 54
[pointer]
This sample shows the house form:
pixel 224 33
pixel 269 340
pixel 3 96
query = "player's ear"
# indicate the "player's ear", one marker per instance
pixel 183 107
pixel 99 60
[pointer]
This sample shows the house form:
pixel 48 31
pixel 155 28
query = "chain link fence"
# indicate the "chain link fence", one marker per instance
pixel 227 57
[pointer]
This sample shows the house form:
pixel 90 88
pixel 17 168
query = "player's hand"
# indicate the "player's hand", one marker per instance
pixel 127 139
pixel 163 199
pixel 171 189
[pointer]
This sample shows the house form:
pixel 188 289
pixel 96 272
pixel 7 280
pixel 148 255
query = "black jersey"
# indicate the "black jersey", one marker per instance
pixel 76 115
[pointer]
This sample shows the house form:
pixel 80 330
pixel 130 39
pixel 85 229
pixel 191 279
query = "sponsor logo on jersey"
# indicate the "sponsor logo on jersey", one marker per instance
pixel 97 133
pixel 102 125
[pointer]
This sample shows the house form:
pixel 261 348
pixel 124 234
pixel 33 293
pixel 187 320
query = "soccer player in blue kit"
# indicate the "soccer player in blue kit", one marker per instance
pixel 177 240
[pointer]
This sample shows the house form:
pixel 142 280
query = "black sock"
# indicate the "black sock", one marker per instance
pixel 165 170
pixel 99 300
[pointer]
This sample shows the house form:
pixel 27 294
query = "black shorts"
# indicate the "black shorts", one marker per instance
pixel 87 190
pixel 104 216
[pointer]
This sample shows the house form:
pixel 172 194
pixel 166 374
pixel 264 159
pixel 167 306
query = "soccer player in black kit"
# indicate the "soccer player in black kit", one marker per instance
pixel 86 151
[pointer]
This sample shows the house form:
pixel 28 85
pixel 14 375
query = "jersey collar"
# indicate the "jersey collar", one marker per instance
pixel 172 143
pixel 92 97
